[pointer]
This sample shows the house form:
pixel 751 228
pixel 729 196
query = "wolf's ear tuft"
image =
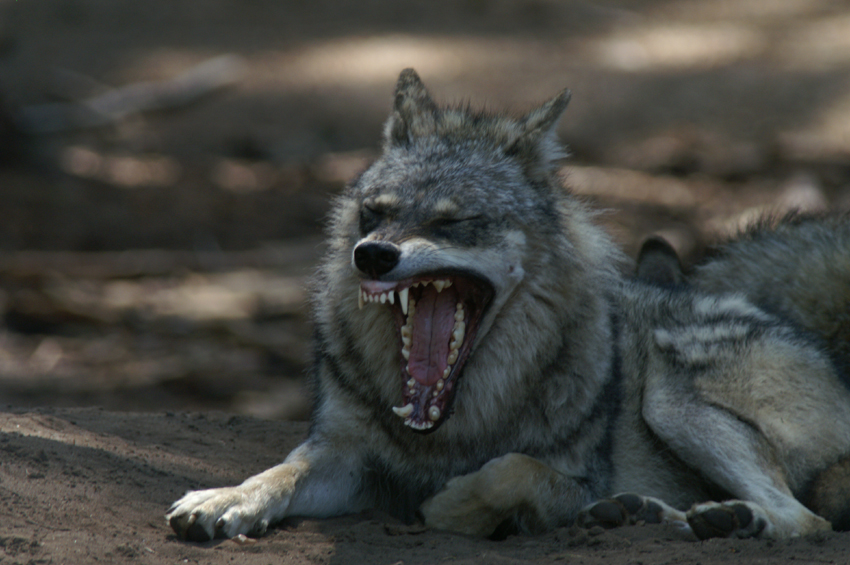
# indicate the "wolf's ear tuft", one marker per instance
pixel 536 141
pixel 413 109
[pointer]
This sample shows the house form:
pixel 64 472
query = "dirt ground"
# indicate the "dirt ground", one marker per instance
pixel 84 485
pixel 154 260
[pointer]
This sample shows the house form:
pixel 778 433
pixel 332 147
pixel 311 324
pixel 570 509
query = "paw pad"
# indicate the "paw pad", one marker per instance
pixel 640 509
pixel 621 510
pixel 714 523
pixel 631 502
pixel 725 520
pixel 608 514
pixel 605 513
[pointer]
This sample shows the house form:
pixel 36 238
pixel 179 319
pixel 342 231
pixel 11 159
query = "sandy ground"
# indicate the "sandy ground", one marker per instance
pixel 87 485
pixel 154 329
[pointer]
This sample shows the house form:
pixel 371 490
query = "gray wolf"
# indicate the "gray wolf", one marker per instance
pixel 482 364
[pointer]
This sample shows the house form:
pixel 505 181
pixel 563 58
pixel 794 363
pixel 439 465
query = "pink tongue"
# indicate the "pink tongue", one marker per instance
pixel 433 322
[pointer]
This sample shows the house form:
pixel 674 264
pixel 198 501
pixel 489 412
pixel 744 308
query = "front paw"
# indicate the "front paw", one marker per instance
pixel 478 503
pixel 202 515
pixel 463 506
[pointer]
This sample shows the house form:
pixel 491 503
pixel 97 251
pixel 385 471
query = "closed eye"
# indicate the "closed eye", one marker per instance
pixel 454 221
pixel 370 217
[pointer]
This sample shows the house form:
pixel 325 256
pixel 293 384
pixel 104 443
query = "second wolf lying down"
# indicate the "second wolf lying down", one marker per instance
pixel 480 361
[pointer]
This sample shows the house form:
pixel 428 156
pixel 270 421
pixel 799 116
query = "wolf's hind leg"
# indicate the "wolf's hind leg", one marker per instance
pixel 512 487
pixel 738 459
pixel 628 509
pixel 752 408
pixel 735 456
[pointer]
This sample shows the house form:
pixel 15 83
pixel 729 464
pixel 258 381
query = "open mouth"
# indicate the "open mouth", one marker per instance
pixel 437 317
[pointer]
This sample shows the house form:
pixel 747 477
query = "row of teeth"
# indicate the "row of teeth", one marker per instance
pixel 403 295
pixel 406 410
pixel 422 425
pixel 458 333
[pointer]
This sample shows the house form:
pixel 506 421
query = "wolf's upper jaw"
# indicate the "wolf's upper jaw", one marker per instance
pixel 437 318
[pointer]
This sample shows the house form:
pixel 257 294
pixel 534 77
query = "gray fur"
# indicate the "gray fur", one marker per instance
pixel 807 257
pixel 569 384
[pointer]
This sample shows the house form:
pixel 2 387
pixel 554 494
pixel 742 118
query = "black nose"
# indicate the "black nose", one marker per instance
pixel 376 257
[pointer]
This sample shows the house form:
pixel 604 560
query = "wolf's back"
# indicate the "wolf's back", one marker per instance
pixel 798 268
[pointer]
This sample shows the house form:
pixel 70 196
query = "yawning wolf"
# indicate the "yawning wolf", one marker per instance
pixel 481 362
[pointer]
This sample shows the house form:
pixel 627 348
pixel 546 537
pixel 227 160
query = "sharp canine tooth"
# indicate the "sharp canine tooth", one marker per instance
pixel 402 299
pixel 439 285
pixel 433 413
pixel 405 352
pixel 404 411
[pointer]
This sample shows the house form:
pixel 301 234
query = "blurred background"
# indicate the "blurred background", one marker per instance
pixel 166 166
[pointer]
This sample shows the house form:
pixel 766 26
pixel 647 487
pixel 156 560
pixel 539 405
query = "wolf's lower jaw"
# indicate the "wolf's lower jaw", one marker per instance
pixel 437 318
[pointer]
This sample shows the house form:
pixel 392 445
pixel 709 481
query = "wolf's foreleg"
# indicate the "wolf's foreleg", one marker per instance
pixel 315 480
pixel 513 487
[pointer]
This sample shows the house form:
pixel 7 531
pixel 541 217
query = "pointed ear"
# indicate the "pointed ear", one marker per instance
pixel 536 143
pixel 542 120
pixel 413 110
